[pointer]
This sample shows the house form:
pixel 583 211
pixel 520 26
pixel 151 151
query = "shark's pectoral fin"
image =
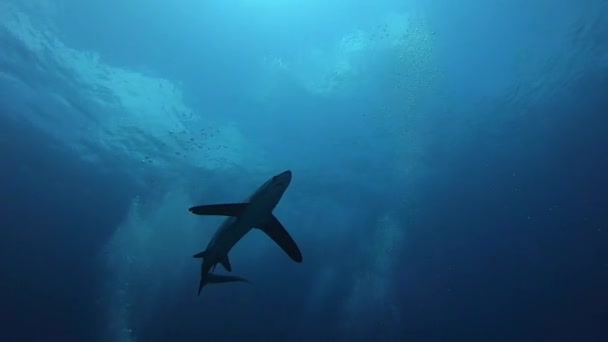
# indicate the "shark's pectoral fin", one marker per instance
pixel 228 209
pixel 226 263
pixel 275 230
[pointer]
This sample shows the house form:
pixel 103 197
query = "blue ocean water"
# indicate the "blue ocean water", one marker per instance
pixel 449 168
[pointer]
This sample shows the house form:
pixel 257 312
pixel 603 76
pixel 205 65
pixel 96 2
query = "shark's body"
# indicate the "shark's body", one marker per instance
pixel 255 212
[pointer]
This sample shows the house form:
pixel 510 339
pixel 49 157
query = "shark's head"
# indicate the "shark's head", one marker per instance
pixel 281 180
pixel 271 192
pixel 276 186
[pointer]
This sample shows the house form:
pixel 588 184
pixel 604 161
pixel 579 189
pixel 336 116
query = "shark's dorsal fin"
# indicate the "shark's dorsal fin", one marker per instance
pixel 226 263
pixel 275 230
pixel 228 209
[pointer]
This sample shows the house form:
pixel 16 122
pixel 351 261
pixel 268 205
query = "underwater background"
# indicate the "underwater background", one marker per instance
pixel 449 160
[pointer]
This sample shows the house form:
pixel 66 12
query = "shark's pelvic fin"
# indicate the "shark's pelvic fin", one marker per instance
pixel 226 263
pixel 228 209
pixel 202 254
pixel 275 230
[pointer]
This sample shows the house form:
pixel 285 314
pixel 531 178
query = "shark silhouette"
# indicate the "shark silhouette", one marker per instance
pixel 255 212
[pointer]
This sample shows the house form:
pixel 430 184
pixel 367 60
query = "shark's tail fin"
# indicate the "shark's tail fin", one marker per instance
pixel 212 278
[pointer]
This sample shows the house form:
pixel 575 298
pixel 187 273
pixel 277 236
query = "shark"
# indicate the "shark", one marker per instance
pixel 213 278
pixel 256 212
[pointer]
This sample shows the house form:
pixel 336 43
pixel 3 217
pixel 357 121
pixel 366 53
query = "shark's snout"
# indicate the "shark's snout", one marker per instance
pixel 283 178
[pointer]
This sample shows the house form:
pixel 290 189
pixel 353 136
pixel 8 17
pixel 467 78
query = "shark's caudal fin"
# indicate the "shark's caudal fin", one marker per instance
pixel 212 278
pixel 275 230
